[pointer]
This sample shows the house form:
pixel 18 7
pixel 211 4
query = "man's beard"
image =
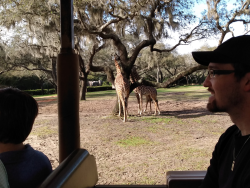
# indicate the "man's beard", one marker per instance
pixel 213 107
pixel 233 100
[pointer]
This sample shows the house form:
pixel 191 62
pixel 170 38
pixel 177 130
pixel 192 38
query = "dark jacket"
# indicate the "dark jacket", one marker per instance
pixel 219 173
pixel 26 168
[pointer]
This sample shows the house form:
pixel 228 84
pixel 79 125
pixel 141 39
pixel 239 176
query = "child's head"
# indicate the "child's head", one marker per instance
pixel 18 111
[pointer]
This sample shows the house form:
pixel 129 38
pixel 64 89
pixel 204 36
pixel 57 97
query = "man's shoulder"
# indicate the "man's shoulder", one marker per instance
pixel 230 132
pixel 232 129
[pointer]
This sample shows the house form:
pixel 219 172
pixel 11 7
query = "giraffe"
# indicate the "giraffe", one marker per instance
pixel 148 100
pixel 149 91
pixel 122 87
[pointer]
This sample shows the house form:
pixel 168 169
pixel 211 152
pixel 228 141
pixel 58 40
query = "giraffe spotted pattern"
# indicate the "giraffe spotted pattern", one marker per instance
pixel 150 92
pixel 122 87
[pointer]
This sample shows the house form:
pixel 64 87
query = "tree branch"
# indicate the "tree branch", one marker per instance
pixel 175 77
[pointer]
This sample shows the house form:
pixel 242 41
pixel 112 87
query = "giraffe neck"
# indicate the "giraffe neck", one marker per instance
pixel 118 69
pixel 131 79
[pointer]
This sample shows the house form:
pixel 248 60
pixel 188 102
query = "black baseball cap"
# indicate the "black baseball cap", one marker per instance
pixel 234 50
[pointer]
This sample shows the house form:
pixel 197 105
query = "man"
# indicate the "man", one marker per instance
pixel 228 81
pixel 25 166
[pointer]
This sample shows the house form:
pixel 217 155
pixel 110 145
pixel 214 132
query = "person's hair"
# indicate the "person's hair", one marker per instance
pixel 18 111
pixel 241 69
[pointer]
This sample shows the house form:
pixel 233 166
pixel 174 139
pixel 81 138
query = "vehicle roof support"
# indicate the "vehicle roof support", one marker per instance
pixel 68 85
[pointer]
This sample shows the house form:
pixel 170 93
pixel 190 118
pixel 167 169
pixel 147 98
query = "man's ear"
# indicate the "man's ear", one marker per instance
pixel 246 82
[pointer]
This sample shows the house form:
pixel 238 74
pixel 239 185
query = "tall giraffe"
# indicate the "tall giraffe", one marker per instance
pixel 122 87
pixel 149 91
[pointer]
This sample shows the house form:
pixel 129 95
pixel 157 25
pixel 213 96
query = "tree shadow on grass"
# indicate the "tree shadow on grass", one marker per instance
pixel 184 114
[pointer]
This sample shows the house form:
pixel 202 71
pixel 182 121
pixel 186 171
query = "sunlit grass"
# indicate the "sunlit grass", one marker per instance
pixel 156 120
pixel 197 121
pixel 156 128
pixel 101 94
pixel 133 141
pixel 190 90
pixel 182 89
pixel 50 95
pixel 43 131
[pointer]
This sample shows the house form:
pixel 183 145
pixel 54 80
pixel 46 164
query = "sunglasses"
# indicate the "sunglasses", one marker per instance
pixel 212 73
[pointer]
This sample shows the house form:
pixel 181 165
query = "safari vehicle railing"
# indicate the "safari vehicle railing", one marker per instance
pixel 77 168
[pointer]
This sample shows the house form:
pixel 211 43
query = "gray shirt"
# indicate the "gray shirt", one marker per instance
pixel 3 177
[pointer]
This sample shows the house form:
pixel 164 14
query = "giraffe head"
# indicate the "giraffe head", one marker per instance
pixel 117 58
pixel 117 66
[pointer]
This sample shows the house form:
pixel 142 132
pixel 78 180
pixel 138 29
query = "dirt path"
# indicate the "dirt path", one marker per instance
pixel 142 150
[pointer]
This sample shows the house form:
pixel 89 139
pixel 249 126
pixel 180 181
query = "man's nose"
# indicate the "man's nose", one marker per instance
pixel 207 82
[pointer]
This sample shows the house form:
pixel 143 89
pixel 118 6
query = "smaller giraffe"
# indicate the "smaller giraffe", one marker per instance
pixel 150 92
pixel 122 87
pixel 148 100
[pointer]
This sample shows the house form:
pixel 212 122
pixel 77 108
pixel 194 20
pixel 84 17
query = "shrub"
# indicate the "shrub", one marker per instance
pixel 106 83
pixel 27 82
pixel 98 88
pixel 39 91
pixel 53 91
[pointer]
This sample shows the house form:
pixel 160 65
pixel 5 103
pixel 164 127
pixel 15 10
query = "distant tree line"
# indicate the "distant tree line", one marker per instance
pixel 24 82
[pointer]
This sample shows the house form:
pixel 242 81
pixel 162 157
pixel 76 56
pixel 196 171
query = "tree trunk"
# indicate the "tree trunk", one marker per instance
pixel 187 80
pixel 54 72
pixel 157 79
pixel 158 73
pixel 161 77
pixel 84 88
pixel 55 86
pixel 80 89
pixel 42 88
pixel 115 110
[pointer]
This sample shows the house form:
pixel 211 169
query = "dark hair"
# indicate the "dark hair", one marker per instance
pixel 241 69
pixel 18 111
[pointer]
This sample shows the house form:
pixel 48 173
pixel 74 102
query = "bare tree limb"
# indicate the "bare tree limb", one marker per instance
pixel 175 77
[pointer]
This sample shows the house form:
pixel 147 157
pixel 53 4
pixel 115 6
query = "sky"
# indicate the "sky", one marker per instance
pixel 184 49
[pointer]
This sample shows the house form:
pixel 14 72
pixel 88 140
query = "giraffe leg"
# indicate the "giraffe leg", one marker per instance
pixel 155 101
pixel 138 101
pixel 150 105
pixel 140 104
pixel 158 107
pixel 126 106
pixel 148 100
pixel 155 107
pixel 124 110
pixel 119 103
